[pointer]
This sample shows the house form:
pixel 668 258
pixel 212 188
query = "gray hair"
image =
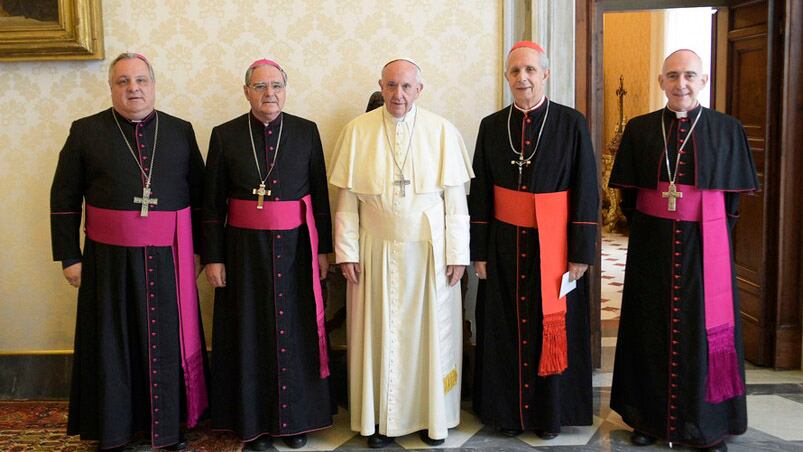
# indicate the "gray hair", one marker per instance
pixel 418 77
pixel 543 60
pixel 129 56
pixel 252 68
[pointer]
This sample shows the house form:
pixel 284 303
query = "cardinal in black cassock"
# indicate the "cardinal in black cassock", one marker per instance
pixel 139 351
pixel 679 372
pixel 267 231
pixel 534 207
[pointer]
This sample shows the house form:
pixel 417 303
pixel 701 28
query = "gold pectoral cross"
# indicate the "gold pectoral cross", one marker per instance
pixel 402 183
pixel 261 192
pixel 146 201
pixel 672 194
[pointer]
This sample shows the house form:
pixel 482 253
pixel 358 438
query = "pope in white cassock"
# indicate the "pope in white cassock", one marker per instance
pixel 401 237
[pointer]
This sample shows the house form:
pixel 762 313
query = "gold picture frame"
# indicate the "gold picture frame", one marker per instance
pixel 73 32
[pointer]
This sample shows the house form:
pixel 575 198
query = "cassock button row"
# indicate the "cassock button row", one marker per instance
pixel 284 369
pixel 144 157
pixel 527 142
pixel 526 407
pixel 142 145
pixel 523 320
pixel 681 174
pixel 526 385
pixel 524 342
pixel 682 130
pixel 270 132
pixel 275 181
pixel 678 231
pixel 284 387
pixel 145 169
pixel 271 148
pixel 526 364
pixel 284 424
pixel 281 312
pixel 281 332
pixel 529 120
pixel 150 258
pixel 675 298
pixel 284 405
pixel 524 187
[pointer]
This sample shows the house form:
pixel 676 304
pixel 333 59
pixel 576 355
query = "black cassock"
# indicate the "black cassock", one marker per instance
pixel 126 373
pixel 509 393
pixel 265 362
pixel 659 378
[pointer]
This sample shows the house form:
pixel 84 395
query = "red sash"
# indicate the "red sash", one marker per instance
pixel 174 229
pixel 282 216
pixel 549 214
pixel 708 208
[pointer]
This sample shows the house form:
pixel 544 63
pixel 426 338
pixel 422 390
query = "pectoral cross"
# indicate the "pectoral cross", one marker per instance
pixel 521 163
pixel 402 183
pixel 672 194
pixel 145 200
pixel 261 192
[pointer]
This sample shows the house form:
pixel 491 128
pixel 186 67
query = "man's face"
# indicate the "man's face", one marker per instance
pixel 133 90
pixel 399 87
pixel 526 78
pixel 682 80
pixel 266 92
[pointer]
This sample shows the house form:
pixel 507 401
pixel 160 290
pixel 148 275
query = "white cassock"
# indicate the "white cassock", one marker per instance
pixel 404 321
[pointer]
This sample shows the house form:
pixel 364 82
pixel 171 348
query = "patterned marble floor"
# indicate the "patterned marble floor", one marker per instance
pixel 614 255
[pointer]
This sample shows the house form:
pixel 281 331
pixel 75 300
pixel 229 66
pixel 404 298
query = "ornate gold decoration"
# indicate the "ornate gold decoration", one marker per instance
pixel 76 35
pixel 611 212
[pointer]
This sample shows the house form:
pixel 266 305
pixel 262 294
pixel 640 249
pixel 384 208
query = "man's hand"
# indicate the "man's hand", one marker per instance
pixel 73 274
pixel 479 268
pixel 323 265
pixel 351 270
pixel 216 275
pixel 576 271
pixel 454 273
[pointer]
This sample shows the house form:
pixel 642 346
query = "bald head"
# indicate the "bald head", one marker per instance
pixel 682 79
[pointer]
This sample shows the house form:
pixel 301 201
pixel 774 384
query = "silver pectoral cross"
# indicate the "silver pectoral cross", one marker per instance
pixel 145 200
pixel 261 192
pixel 402 183
pixel 672 194
pixel 521 164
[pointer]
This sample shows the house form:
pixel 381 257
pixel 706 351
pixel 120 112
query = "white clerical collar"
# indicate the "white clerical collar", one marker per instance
pixel 540 102
pixel 404 119
pixel 682 114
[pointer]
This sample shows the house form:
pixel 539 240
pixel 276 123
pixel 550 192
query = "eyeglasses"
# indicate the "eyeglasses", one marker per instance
pixel 261 87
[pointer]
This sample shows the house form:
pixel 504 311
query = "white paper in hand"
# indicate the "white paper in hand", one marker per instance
pixel 566 286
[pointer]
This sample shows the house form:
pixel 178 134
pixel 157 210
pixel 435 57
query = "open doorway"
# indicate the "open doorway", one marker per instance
pixel 634 46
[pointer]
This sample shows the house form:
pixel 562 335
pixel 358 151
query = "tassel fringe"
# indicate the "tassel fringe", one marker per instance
pixel 554 355
pixel 724 381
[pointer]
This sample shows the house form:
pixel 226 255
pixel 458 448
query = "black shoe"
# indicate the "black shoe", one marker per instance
pixel 425 438
pixel 641 439
pixel 545 435
pixel 295 441
pixel 378 441
pixel 263 442
pixel 511 432
pixel 180 445
pixel 718 447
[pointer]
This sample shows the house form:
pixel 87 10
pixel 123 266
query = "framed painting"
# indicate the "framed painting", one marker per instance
pixel 50 30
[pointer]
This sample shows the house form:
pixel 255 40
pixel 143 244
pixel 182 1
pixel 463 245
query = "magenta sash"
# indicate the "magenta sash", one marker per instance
pixel 707 207
pixel 173 229
pixel 282 216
